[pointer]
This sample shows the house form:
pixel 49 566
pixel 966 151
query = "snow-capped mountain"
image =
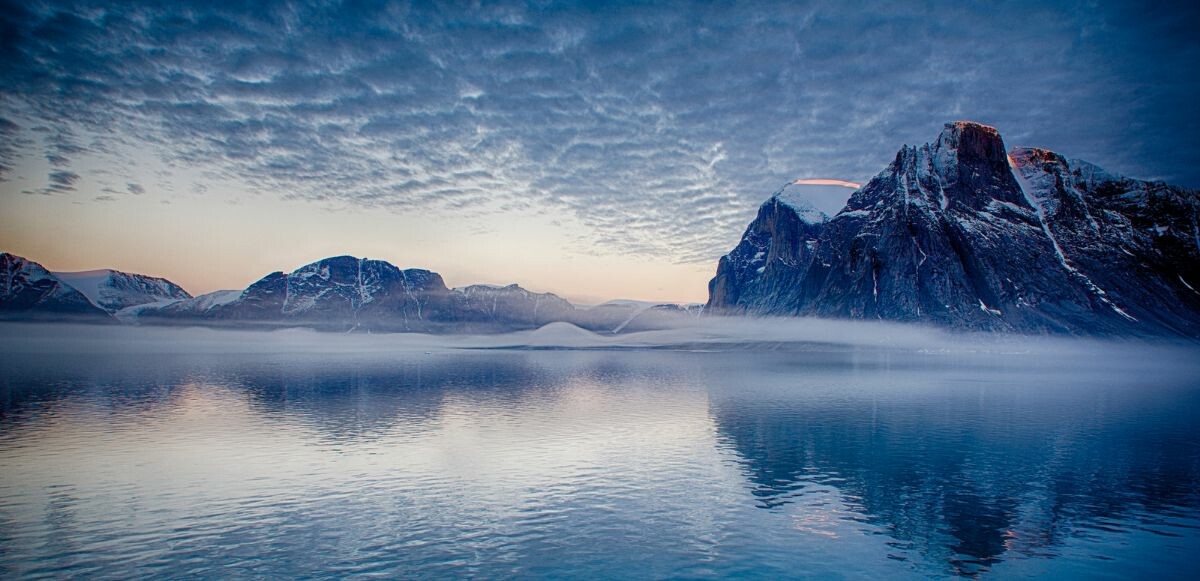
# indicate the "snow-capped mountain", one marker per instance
pixel 348 293
pixel 960 232
pixel 345 293
pixel 113 290
pixel 342 292
pixel 29 291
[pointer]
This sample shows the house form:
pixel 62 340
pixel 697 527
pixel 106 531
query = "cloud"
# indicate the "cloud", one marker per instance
pixel 11 144
pixel 669 332
pixel 659 127
pixel 62 181
pixel 826 182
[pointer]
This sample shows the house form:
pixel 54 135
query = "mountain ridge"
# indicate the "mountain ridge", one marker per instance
pixel 30 292
pixel 114 290
pixel 337 293
pixel 961 232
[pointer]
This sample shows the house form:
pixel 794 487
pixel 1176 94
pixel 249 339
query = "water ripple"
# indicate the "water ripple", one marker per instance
pixel 593 465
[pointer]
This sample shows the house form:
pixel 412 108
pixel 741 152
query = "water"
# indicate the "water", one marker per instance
pixel 598 464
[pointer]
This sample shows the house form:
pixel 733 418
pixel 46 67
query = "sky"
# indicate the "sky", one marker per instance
pixel 595 150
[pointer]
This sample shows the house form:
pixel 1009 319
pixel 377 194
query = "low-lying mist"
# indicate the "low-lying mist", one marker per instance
pixel 682 333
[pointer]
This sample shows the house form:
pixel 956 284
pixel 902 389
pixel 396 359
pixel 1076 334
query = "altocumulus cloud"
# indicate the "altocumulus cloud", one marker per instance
pixel 659 127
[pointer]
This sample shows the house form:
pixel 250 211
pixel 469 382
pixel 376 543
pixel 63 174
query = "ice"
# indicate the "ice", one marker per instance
pixel 88 282
pixel 814 201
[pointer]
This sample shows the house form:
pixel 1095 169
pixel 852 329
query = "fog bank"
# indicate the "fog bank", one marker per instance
pixel 685 334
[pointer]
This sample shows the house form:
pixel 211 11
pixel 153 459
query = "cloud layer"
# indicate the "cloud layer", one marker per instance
pixel 659 127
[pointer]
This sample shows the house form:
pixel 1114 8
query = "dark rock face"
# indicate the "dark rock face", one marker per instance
pixel 768 265
pixel 959 233
pixel 1133 244
pixel 30 292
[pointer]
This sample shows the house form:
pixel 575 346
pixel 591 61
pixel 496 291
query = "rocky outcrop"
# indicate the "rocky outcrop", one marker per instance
pixel 30 292
pixel 959 233
pixel 767 266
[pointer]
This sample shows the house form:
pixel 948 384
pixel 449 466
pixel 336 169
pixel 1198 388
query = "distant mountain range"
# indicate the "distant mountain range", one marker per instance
pixel 959 232
pixel 966 234
pixel 341 293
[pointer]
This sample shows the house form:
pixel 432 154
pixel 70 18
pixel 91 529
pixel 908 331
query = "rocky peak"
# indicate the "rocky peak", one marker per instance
pixel 28 290
pixel 960 233
pixel 973 143
pixel 973 166
pixel 965 166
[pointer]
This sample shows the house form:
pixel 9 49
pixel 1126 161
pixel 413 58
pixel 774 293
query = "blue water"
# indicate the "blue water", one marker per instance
pixel 838 463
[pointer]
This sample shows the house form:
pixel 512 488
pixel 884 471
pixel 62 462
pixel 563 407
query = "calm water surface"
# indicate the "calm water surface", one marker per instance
pixel 637 464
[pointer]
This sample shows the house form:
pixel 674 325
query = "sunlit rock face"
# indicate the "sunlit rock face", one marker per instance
pixel 30 292
pixel 960 233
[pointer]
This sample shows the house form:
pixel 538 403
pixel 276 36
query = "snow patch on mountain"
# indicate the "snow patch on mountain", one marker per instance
pixel 113 290
pixel 28 290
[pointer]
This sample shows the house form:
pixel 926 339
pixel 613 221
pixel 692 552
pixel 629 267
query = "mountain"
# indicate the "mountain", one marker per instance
pixel 345 293
pixel 961 233
pixel 30 292
pixel 506 307
pixel 170 311
pixel 113 290
pixel 341 293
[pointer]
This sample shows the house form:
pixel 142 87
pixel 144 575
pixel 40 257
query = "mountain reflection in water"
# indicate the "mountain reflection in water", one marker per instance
pixel 592 464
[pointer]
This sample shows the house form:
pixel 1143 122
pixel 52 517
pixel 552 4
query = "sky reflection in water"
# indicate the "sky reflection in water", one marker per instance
pixel 598 464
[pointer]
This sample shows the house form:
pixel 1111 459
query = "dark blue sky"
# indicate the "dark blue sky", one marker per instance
pixel 659 127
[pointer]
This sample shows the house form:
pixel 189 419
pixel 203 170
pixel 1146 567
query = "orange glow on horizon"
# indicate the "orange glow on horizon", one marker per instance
pixel 826 182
